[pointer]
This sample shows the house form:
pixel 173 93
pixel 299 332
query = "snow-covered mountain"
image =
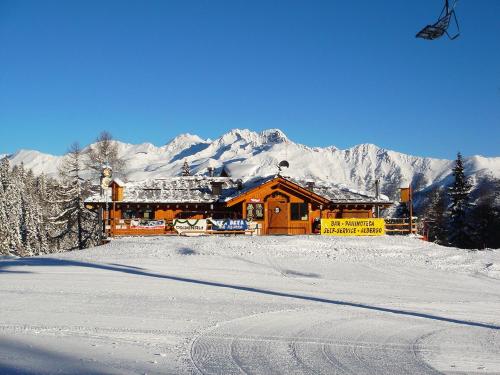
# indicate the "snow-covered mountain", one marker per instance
pixel 246 154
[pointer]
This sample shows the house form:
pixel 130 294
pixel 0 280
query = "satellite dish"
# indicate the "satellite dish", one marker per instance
pixel 283 164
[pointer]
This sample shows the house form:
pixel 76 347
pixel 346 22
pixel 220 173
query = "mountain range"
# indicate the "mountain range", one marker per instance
pixel 245 154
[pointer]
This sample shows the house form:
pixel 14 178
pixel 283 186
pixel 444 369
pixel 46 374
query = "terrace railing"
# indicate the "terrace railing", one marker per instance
pixel 401 226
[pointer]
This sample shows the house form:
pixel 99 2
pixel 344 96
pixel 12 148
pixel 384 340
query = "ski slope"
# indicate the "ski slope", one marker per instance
pixel 252 305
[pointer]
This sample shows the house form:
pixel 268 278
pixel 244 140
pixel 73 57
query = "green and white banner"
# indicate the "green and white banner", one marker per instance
pixel 190 227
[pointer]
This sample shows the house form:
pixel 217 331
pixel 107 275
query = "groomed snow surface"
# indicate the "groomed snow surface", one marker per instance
pixel 252 305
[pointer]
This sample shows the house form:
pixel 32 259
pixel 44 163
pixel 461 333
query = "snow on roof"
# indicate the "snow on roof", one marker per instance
pixel 198 189
pixel 249 185
pixel 240 170
pixel 338 193
pixel 118 182
pixel 188 189
pixel 342 194
pixel 333 192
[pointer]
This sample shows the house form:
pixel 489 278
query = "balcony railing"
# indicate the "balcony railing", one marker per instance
pixel 401 226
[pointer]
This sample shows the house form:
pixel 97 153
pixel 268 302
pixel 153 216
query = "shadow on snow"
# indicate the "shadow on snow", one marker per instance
pixel 139 272
pixel 24 358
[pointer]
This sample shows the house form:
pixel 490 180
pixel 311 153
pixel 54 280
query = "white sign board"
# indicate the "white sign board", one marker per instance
pixel 190 227
pixel 147 224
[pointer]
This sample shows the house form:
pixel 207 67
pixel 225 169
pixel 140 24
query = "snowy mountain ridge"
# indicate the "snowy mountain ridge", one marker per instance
pixel 247 154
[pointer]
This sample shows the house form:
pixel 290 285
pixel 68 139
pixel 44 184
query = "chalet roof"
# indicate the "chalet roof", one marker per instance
pixel 342 194
pixel 332 192
pixel 186 189
pixel 197 189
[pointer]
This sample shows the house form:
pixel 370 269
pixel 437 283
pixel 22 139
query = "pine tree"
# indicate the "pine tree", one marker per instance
pixel 186 170
pixel 435 216
pixel 33 233
pixel 4 172
pixel 4 229
pixel 485 215
pixel 77 225
pixel 105 152
pixel 459 231
pixel 46 210
pixel 21 221
pixel 13 209
pixel 26 221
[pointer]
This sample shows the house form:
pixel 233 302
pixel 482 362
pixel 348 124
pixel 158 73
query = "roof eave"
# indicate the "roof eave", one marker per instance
pixel 310 194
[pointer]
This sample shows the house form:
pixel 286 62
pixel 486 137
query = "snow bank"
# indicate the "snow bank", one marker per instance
pixel 396 250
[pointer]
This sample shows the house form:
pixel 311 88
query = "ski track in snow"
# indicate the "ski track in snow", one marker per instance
pixel 315 342
pixel 330 346
pixel 252 305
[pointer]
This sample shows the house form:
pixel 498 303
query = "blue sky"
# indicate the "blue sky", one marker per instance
pixel 325 72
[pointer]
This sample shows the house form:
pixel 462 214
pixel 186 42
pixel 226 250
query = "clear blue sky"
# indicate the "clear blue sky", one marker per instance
pixel 325 72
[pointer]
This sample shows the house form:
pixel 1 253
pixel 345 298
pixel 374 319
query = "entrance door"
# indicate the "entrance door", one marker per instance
pixel 278 215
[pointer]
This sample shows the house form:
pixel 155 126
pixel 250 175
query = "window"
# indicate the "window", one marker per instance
pixel 129 214
pixel 148 214
pixel 255 211
pixel 298 211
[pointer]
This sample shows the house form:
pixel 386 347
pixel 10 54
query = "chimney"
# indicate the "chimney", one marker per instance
pixel 210 171
pixel 216 187
pixel 310 185
pixel 239 184
pixel 377 188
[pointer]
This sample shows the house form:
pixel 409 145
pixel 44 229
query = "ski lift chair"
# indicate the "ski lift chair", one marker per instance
pixel 438 29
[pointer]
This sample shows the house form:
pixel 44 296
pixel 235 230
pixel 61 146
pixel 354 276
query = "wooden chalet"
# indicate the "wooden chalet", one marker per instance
pixel 279 205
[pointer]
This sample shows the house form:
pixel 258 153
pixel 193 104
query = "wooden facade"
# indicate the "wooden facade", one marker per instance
pixel 293 209
pixel 287 207
pixel 280 207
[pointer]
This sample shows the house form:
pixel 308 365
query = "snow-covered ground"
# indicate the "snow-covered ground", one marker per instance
pixel 257 305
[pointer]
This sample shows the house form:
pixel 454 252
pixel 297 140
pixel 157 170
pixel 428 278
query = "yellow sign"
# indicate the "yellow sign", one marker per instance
pixel 352 227
pixel 405 194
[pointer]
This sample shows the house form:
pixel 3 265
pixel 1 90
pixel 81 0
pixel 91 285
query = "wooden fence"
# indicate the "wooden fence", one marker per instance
pixel 401 226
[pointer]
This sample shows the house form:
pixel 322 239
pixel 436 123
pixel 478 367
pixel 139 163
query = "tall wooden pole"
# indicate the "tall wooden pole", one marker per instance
pixel 411 208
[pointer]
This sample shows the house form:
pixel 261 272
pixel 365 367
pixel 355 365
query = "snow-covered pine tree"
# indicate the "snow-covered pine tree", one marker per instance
pixel 105 152
pixel 4 172
pixel 57 243
pixel 186 170
pixel 459 232
pixel 77 226
pixel 33 235
pixel 48 207
pixel 13 209
pixel 4 229
pixel 26 223
pixel 435 216
pixel 485 215
pixel 21 223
